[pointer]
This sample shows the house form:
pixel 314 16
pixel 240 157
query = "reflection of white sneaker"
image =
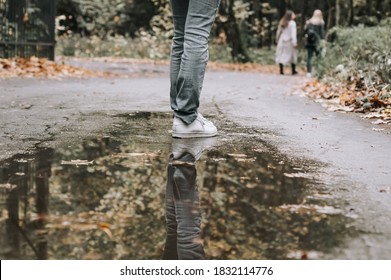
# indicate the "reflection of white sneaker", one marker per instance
pixel 195 147
pixel 308 75
pixel 201 127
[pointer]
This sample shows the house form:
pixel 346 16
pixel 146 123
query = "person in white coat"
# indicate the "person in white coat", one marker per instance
pixel 287 42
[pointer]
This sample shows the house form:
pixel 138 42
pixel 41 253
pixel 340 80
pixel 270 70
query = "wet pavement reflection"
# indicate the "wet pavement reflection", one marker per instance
pixel 136 193
pixel 183 212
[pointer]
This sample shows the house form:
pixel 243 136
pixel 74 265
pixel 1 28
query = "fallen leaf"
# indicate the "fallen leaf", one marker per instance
pixel 108 232
pixel 77 162
pixel 379 122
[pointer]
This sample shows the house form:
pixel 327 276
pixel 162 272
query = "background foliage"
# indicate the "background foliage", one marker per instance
pixel 356 51
pixel 240 24
pixel 357 31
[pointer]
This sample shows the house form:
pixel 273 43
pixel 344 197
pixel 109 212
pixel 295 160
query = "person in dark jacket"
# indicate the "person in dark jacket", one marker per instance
pixel 314 33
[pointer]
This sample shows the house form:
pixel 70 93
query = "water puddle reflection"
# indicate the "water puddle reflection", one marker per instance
pixel 136 193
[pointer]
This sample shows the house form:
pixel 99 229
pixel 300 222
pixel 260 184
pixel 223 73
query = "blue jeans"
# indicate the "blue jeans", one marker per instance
pixel 193 21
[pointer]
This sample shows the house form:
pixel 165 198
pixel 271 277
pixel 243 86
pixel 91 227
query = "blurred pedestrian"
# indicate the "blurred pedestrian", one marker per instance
pixel 287 42
pixel 193 21
pixel 314 33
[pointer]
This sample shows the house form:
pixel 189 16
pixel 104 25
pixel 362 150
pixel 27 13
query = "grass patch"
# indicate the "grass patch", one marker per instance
pixel 144 46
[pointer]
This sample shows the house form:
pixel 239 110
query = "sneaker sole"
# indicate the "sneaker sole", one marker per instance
pixel 193 135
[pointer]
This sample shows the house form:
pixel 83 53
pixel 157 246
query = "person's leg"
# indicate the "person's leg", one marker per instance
pixel 294 72
pixel 281 68
pixel 179 11
pixel 191 44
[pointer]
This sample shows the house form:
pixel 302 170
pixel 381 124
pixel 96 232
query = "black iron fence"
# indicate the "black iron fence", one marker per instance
pixel 27 28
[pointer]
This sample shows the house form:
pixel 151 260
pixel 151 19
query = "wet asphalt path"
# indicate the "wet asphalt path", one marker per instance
pixel 354 153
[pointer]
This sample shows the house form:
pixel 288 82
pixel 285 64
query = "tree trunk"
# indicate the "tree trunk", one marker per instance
pixel 330 18
pixel 337 12
pixel 270 30
pixel 379 9
pixel 369 7
pixel 281 8
pixel 289 4
pixel 304 15
pixel 327 14
pixel 231 29
pixel 351 12
pixel 256 8
pixel 256 19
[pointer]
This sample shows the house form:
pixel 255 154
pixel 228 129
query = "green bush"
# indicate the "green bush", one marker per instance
pixel 359 51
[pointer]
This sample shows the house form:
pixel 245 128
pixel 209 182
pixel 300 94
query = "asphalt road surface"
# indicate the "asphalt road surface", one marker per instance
pixel 355 153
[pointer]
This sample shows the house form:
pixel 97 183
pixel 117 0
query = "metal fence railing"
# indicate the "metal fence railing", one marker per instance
pixel 27 28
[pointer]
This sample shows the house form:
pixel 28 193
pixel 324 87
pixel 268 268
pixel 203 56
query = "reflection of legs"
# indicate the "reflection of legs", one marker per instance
pixel 193 21
pixel 11 225
pixel 188 213
pixel 170 249
pixel 183 214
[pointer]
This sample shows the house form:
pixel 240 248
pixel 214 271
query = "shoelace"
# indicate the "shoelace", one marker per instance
pixel 202 119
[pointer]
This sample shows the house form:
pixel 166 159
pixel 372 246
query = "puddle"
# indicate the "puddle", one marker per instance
pixel 107 198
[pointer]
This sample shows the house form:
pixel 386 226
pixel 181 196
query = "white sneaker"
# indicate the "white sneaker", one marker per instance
pixel 194 146
pixel 200 127
pixel 308 75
